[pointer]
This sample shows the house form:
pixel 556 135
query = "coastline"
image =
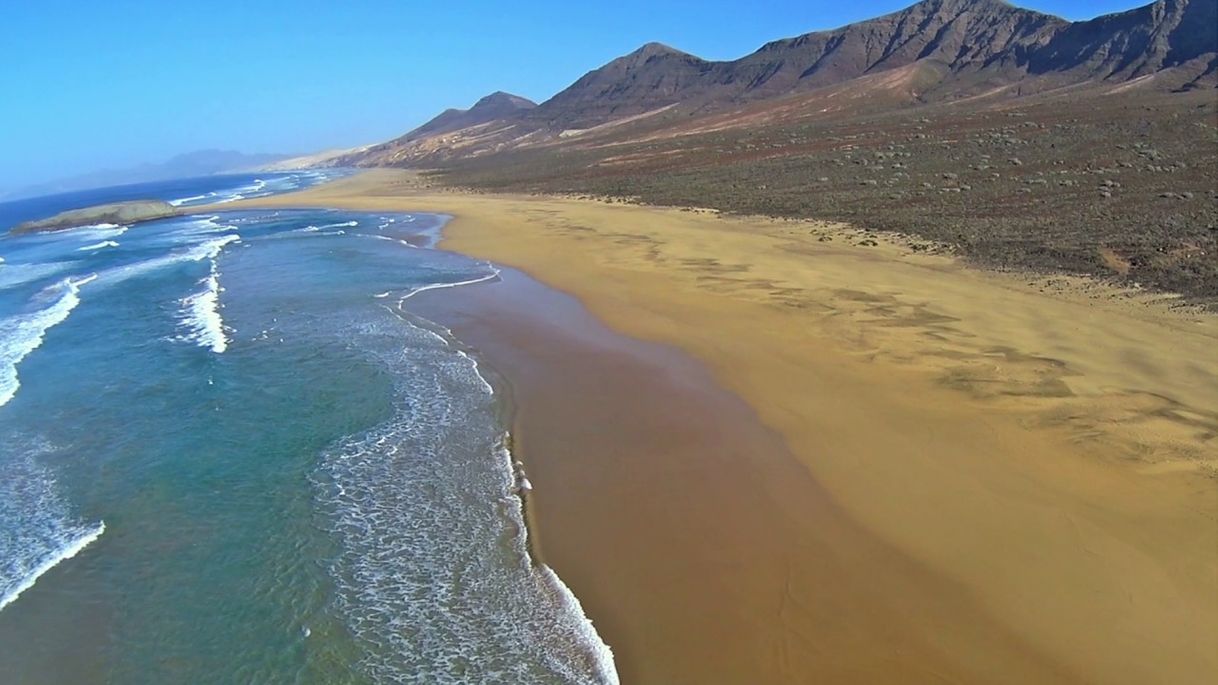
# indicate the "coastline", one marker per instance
pixel 671 533
pixel 1038 468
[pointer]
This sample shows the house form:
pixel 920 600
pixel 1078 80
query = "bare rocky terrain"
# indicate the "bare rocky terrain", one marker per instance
pixel 1015 139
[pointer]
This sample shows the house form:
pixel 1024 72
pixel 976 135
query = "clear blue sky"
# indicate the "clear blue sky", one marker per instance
pixel 113 83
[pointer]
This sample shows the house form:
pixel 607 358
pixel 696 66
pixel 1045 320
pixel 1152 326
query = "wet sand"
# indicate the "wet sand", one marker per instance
pixel 845 464
pixel 701 549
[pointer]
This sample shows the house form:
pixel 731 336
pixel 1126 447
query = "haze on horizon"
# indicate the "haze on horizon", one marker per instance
pixel 126 83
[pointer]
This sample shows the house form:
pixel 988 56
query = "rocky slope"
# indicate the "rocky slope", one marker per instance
pixel 497 105
pixel 959 35
pixel 1167 34
pixel 935 51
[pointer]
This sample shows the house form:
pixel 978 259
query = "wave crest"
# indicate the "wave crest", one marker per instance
pixel 22 334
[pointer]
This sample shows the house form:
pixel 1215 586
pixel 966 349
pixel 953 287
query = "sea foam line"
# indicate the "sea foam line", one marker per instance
pixel 22 334
pixel 98 246
pixel 64 553
pixel 201 314
pixel 543 621
pixel 390 239
pixel 601 652
pixel 16 274
pixel 196 253
pixel 178 202
pixel 434 286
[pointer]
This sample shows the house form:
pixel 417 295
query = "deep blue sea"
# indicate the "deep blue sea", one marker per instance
pixel 230 453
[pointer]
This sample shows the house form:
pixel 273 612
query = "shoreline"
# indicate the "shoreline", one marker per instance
pixel 1070 434
pixel 548 360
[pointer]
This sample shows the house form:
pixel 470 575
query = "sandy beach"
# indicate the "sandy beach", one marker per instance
pixel 764 453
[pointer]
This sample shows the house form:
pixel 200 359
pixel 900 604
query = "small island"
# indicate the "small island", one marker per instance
pixel 114 213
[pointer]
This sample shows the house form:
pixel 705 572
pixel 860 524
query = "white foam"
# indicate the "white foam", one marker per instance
pixel 39 530
pixel 178 202
pixel 101 231
pixel 208 224
pixel 434 573
pixel 436 286
pixel 22 334
pixel 69 550
pixel 317 230
pixel 486 385
pixel 200 314
pixel 209 249
pixel 16 274
pixel 601 655
pixel 390 239
pixel 98 246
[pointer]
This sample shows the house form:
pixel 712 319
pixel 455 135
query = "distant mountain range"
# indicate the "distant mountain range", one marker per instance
pixel 191 164
pixel 933 51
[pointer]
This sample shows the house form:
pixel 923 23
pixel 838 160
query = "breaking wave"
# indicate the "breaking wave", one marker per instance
pixel 200 315
pixel 40 532
pixel 21 334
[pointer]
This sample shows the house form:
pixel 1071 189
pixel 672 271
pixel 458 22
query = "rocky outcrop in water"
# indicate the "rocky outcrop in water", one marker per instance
pixel 115 213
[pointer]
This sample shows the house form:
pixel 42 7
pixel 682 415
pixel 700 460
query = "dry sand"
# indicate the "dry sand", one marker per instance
pixel 995 484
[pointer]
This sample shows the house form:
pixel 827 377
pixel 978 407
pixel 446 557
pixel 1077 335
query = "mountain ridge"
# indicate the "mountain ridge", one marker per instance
pixel 944 50
pixel 496 105
pixel 185 165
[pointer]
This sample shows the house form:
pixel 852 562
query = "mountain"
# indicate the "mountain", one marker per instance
pixel 497 105
pixel 188 165
pixel 933 51
pixel 958 35
pixel 653 76
pixel 429 138
pixel 1163 35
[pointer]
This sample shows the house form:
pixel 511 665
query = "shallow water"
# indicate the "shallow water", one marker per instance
pixel 231 454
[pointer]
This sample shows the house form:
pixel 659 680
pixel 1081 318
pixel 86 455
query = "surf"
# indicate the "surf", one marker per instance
pixel 21 334
pixel 40 532
pixel 200 314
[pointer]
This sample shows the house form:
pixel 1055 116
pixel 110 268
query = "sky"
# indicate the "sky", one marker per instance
pixel 90 85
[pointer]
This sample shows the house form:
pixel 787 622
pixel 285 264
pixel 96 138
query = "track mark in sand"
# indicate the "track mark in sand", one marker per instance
pixel 879 326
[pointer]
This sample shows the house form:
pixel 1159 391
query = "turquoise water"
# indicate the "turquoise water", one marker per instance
pixel 230 453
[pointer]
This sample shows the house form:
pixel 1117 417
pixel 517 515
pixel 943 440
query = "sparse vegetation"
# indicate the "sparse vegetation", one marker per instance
pixel 1130 177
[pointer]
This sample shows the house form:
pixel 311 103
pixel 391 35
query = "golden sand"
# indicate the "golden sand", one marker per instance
pixel 1042 463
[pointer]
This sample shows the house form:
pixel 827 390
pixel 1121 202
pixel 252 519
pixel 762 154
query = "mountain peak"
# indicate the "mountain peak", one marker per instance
pixel 654 49
pixel 957 6
pixel 934 50
pixel 497 105
pixel 649 52
pixel 501 99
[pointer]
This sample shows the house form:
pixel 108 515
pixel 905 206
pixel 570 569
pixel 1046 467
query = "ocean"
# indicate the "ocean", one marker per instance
pixel 230 453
